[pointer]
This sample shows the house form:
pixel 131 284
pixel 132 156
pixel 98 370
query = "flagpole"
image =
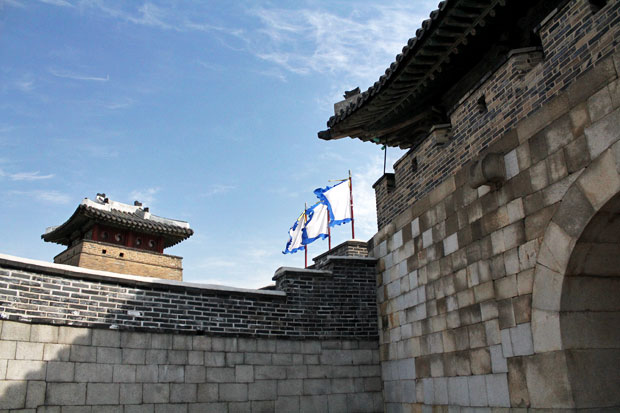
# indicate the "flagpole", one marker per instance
pixel 329 234
pixel 305 246
pixel 352 220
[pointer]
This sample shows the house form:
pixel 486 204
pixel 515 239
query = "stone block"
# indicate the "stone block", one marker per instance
pixel 171 373
pixel 133 356
pixel 130 393
pixel 477 391
pixel 536 223
pixel 546 330
pixel 80 353
pixel 599 104
pixel 41 333
pixel 177 357
pixel 173 408
pixel 142 408
pixel 227 375
pixel 556 166
pixel 183 342
pixel 497 390
pixel 8 349
pixel 156 393
pixel 506 313
pixel 492 332
pixel 287 404
pixel 195 374
pixel 547 380
pixel 458 391
pixel 59 371
pixel 183 393
pixel 480 360
pixel 511 164
pixel 26 370
pixel 517 384
pixel 521 338
pixel 124 373
pixel 522 307
pixel 107 409
pixel 525 282
pixel 506 343
pixel 218 359
pixel 147 373
pixel 35 394
pixel 195 357
pixel 207 392
pixel 161 341
pixel 74 335
pixel 15 331
pixel 555 250
pixel 92 372
pixel 66 394
pixel 498 361
pixel 233 392
pixel 576 155
pixel 102 393
pixel 488 310
pixel 13 394
pixel 602 134
pixel 506 287
pixel 29 351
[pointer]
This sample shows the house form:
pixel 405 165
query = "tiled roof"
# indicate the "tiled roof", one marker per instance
pixel 445 48
pixel 120 216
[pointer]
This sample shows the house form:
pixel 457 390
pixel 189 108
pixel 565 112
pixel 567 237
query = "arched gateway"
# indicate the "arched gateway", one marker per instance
pixel 576 294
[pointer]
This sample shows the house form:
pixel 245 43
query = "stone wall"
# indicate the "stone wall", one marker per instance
pixel 93 341
pixel 123 260
pixel 472 311
pixel 574 39
pixel 45 368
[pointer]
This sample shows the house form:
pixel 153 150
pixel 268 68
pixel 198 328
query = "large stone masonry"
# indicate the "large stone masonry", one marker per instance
pixel 503 295
pixel 93 341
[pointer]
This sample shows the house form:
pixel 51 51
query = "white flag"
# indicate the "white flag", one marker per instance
pixel 295 235
pixel 338 200
pixel 316 226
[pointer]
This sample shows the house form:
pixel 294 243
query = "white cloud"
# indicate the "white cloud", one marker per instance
pixel 146 196
pixel 46 196
pixel 358 46
pixel 120 104
pixel 217 189
pixel 60 3
pixel 27 176
pixel 25 85
pixel 11 3
pixel 76 76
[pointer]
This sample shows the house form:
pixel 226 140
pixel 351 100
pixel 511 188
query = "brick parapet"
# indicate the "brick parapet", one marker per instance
pixel 340 303
pixel 121 259
pixel 574 41
pixel 350 248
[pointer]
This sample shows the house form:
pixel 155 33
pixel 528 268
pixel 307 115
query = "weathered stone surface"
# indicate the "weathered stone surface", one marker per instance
pixel 547 380
pixel 602 134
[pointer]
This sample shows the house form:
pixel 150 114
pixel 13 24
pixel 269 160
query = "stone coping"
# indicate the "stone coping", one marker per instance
pixel 26 264
pixel 324 273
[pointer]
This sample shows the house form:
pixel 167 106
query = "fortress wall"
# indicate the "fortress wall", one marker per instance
pixel 92 341
pixel 471 278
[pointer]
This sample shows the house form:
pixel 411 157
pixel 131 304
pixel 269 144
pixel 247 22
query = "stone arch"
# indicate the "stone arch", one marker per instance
pixel 561 306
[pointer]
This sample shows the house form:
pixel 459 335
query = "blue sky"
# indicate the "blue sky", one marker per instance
pixel 206 111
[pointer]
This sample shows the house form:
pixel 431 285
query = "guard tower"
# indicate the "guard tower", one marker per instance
pixel 111 236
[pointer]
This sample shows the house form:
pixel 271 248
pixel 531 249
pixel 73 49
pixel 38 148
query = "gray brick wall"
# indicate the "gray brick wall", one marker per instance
pixel 336 300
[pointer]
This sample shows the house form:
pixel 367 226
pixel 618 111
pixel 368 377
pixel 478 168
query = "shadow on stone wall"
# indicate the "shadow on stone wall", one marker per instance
pixel 45 367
